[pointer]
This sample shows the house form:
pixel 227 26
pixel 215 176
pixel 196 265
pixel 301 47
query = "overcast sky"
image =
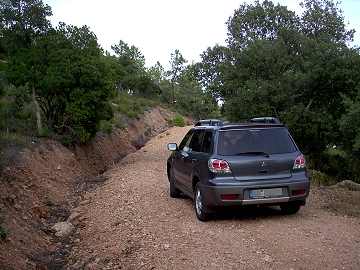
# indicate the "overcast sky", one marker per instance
pixel 158 27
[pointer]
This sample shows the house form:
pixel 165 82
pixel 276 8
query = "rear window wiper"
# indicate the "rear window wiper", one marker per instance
pixel 256 153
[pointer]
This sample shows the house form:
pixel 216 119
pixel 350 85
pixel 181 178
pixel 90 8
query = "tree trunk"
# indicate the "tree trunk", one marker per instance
pixel 37 112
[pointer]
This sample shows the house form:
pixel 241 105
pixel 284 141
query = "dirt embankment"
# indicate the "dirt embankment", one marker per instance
pixel 41 188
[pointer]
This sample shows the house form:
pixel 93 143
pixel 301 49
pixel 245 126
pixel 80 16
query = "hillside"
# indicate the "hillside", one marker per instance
pixel 47 182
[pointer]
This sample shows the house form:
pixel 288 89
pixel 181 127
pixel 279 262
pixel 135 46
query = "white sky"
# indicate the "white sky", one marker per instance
pixel 158 27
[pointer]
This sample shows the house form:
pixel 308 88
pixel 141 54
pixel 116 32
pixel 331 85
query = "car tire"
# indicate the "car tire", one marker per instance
pixel 200 209
pixel 174 191
pixel 290 208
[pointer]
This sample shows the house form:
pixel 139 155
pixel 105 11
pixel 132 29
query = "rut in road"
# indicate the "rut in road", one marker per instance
pixel 132 223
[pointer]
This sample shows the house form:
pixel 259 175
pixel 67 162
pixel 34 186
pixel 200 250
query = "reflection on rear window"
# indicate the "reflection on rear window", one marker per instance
pixel 270 141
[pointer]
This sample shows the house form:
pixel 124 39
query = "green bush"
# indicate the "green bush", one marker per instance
pixel 321 179
pixel 178 121
pixel 17 111
pixel 45 132
pixel 105 126
pixel 131 105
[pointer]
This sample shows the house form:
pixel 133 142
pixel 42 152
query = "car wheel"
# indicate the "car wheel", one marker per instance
pixel 200 208
pixel 174 192
pixel 290 208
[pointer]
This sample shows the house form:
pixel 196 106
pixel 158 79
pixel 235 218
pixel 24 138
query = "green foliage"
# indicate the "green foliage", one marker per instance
pixel 129 73
pixel 105 126
pixel 132 106
pixel 21 22
pixel 157 73
pixel 295 67
pixel 350 123
pixel 71 84
pixel 177 66
pixel 323 20
pixel 185 91
pixel 130 54
pixel 58 82
pixel 177 121
pixel 17 111
pixel 321 179
pixel 260 21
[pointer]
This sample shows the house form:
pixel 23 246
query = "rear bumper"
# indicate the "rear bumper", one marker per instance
pixel 213 195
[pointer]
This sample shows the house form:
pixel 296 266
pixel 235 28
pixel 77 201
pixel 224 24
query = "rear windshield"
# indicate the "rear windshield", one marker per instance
pixel 269 141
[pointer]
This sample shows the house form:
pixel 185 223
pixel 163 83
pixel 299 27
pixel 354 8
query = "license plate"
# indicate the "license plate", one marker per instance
pixel 266 193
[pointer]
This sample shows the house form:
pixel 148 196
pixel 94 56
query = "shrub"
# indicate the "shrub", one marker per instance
pixel 321 179
pixel 105 126
pixel 45 132
pixel 178 121
pixel 132 105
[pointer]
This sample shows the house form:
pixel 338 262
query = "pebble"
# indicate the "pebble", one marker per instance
pixel 268 259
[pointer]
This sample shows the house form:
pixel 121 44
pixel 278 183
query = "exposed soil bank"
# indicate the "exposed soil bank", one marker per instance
pixel 41 188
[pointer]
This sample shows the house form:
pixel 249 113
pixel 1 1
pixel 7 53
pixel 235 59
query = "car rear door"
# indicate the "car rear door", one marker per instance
pixel 179 156
pixel 192 157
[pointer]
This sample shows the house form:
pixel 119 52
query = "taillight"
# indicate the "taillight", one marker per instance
pixel 219 166
pixel 299 162
pixel 229 197
pixel 298 192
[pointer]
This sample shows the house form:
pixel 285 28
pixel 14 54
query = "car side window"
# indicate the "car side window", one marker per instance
pixel 207 142
pixel 196 141
pixel 186 141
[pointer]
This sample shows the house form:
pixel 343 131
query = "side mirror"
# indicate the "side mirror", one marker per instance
pixel 172 146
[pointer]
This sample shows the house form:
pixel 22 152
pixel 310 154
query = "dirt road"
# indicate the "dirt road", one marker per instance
pixel 132 223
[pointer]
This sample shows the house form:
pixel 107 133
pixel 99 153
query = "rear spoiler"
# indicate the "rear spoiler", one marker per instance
pixel 265 120
pixel 251 125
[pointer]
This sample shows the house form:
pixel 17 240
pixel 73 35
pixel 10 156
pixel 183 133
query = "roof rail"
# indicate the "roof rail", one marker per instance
pixel 209 122
pixel 265 120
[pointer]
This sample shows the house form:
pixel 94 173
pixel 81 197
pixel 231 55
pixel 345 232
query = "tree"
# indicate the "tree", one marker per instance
pixel 129 54
pixel 20 24
pixel 157 72
pixel 350 124
pixel 177 66
pixel 209 71
pixel 261 20
pixel 71 83
pixel 131 74
pixel 22 21
pixel 324 20
pixel 295 67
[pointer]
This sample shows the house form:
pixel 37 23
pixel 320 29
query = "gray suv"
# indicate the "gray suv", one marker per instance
pixel 254 163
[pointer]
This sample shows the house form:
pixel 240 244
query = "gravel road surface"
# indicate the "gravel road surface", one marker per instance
pixel 131 223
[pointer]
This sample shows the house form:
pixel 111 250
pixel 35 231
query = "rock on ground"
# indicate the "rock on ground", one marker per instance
pixel 63 229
